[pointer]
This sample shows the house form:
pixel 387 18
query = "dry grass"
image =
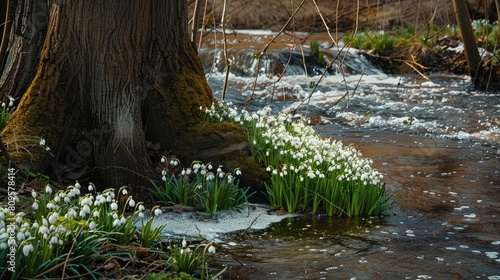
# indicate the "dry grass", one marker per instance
pixel 339 15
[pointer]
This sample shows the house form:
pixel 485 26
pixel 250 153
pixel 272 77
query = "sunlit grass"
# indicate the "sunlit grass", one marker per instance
pixel 308 172
pixel 385 42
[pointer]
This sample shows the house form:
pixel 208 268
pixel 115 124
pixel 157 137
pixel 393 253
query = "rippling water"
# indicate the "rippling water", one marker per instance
pixel 436 141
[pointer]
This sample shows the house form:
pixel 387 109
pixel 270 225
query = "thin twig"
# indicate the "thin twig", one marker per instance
pixel 324 22
pixel 226 58
pixel 282 74
pixel 69 253
pixel 267 46
pixel 203 24
pixel 251 224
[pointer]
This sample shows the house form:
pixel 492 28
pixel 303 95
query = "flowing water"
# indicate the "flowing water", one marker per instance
pixel 436 141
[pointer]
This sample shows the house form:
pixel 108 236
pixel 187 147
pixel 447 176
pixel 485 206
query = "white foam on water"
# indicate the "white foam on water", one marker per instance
pixel 189 224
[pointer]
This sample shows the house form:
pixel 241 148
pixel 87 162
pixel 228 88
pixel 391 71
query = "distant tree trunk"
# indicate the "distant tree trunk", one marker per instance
pixel 470 45
pixel 497 4
pixel 111 76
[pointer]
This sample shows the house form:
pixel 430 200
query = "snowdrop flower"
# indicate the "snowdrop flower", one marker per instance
pixel 157 212
pixel 48 189
pixel 164 178
pixel 141 207
pixel 27 249
pixel 20 236
pixel 184 243
pixel 53 217
pixel 131 202
pixel 77 185
pixel 42 142
pixel 33 193
pixel 114 206
pixel 86 209
pixel 11 101
pixel 238 172
pixel 210 176
pixel 54 240
pixel 116 223
pixel 124 192
pixel 99 200
pixel 164 172
pixel 19 219
pixel 35 206
pixel 91 188
pixel 211 250
pixel 95 214
pixel 162 159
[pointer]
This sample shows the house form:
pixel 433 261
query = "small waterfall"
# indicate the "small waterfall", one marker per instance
pixel 274 63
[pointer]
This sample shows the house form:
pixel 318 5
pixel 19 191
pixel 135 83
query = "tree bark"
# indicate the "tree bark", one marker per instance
pixel 111 75
pixel 26 40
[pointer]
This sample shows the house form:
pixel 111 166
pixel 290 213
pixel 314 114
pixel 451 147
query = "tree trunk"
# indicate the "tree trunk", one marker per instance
pixel 26 41
pixel 497 5
pixel 470 45
pixel 112 74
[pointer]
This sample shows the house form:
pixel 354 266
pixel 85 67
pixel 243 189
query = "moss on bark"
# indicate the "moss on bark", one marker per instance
pixel 42 113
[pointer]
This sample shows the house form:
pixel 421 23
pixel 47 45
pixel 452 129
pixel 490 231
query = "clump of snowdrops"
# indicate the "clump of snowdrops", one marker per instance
pixel 199 184
pixel 69 233
pixel 6 111
pixel 307 171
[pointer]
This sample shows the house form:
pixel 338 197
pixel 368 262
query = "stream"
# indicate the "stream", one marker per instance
pixel 435 140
